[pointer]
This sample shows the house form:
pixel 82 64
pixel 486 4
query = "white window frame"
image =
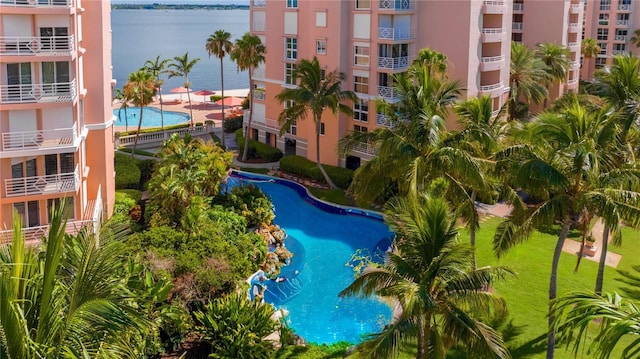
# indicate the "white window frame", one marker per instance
pixel 321 47
pixel 289 74
pixel 360 110
pixel 359 84
pixel 290 48
pixel 292 4
pixel 361 55
pixel 362 4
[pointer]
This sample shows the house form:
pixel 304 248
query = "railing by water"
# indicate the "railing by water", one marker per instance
pixel 160 136
pixel 37 3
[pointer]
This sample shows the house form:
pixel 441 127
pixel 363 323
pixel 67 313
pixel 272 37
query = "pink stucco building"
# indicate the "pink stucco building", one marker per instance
pixel 56 133
pixel 370 41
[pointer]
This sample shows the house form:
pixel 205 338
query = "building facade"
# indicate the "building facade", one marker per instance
pixel 55 113
pixel 370 41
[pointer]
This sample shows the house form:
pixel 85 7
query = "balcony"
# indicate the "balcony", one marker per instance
pixel 383 120
pixel 518 8
pixel 516 26
pixel 259 3
pixel 26 46
pixel 363 148
pixel 575 64
pixel 572 81
pixel 35 234
pixel 29 93
pixel 396 5
pixel 259 94
pixel 494 34
pixel 38 3
pixel 573 45
pixel 491 87
pixel 622 38
pixel 388 93
pixel 575 8
pixel 624 7
pixel 38 185
pixel 619 52
pixel 393 63
pixel 492 63
pixel 38 140
pixel 574 27
pixel 392 33
pixel 624 23
pixel 494 7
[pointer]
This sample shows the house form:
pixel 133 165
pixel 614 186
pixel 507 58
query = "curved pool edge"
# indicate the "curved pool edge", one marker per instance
pixel 307 196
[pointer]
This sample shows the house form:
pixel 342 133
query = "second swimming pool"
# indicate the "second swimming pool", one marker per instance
pixel 150 117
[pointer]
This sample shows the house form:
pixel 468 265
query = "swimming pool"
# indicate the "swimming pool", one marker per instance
pixel 323 239
pixel 150 117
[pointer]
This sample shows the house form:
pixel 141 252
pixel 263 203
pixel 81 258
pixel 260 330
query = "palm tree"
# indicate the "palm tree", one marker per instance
pixel 315 93
pixel 617 321
pixel 66 299
pixel 527 79
pixel 556 59
pixel 124 105
pixel 182 66
pixel 635 39
pixel 429 277
pixel 589 49
pixel 219 45
pixel 435 61
pixel 569 173
pixel 248 53
pixel 156 68
pixel 140 88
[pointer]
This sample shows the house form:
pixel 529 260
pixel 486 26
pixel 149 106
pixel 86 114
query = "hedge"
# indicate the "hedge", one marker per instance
pixel 153 129
pixel 127 172
pixel 257 149
pixel 303 167
pixel 132 194
pixel 232 124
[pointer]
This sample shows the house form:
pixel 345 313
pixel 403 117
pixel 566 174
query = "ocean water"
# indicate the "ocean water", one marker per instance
pixel 141 35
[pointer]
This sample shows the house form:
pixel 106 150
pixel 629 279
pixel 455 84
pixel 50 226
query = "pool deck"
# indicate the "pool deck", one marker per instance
pixel 202 111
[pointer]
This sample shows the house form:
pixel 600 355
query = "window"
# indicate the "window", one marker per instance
pixel 68 206
pixel 361 110
pixel 603 34
pixel 293 129
pixel 321 47
pixel 603 19
pixel 601 62
pixel 289 74
pixel 357 128
pixel 290 48
pixel 618 48
pixel 363 4
pixel 623 17
pixel 321 19
pixel 54 38
pixel 322 128
pixel 57 74
pixel 293 4
pixel 361 55
pixel 603 48
pixel 58 164
pixel 361 84
pixel 29 212
pixel 605 5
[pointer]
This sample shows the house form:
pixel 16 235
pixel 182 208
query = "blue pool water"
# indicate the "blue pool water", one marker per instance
pixel 322 240
pixel 150 117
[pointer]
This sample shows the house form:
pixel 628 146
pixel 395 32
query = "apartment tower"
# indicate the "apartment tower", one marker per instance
pixel 370 41
pixel 56 129
pixel 611 23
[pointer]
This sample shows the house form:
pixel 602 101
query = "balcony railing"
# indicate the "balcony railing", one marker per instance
pixel 393 62
pixel 159 137
pixel 575 8
pixel 396 4
pixel 497 30
pixel 388 93
pixel 624 7
pixel 259 3
pixel 37 3
pixel 518 7
pixel 53 45
pixel 43 139
pixel 621 38
pixel 622 22
pixel 259 94
pixel 35 234
pixel 392 33
pixel 574 26
pixel 363 147
pixel 572 81
pixel 488 59
pixel 49 184
pixel 487 88
pixel 383 120
pixel 516 26
pixel 573 45
pixel 575 64
pixel 619 52
pixel 54 92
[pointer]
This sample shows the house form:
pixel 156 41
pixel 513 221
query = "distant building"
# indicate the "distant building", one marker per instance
pixel 56 122
pixel 370 41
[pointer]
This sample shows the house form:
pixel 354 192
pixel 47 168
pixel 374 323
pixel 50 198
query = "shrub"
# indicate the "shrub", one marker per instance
pixel 215 98
pixel 127 172
pixel 303 167
pixel 251 203
pixel 258 150
pixel 124 203
pixel 232 124
pixel 146 169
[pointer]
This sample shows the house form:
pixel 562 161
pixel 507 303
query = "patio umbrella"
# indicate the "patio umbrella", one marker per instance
pixel 204 93
pixel 230 101
pixel 180 90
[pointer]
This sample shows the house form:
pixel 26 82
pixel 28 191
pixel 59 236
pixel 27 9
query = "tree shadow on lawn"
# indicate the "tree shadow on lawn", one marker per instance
pixel 632 281
pixel 534 346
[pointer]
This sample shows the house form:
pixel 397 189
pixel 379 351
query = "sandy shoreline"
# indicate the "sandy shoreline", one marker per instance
pixel 202 111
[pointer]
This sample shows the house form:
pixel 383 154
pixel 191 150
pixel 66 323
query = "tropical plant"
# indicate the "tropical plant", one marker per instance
pixel 140 88
pixel 430 278
pixel 556 58
pixel 528 78
pixel 157 68
pixel 434 61
pixel 124 99
pixel 635 39
pixel 219 45
pixel 182 66
pixel 589 49
pixel 67 299
pixel 236 327
pixel 248 53
pixel 618 324
pixel 316 92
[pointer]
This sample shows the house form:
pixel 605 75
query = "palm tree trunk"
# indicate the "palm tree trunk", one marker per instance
pixel 126 120
pixel 222 90
pixel 245 152
pixel 472 233
pixel 603 259
pixel 189 98
pixel 324 173
pixel 135 140
pixel 161 109
pixel 553 286
pixel 425 328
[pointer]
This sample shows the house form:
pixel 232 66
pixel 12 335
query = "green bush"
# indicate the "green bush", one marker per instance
pixel 127 172
pixel 232 124
pixel 215 98
pixel 257 149
pixel 146 169
pixel 303 167
pixel 133 194
pixel 152 130
pixel 251 203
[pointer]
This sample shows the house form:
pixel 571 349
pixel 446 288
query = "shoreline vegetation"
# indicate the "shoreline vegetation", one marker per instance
pixel 156 6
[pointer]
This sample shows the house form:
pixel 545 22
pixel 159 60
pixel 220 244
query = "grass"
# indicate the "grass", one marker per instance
pixel 336 196
pixel 262 171
pixel 138 152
